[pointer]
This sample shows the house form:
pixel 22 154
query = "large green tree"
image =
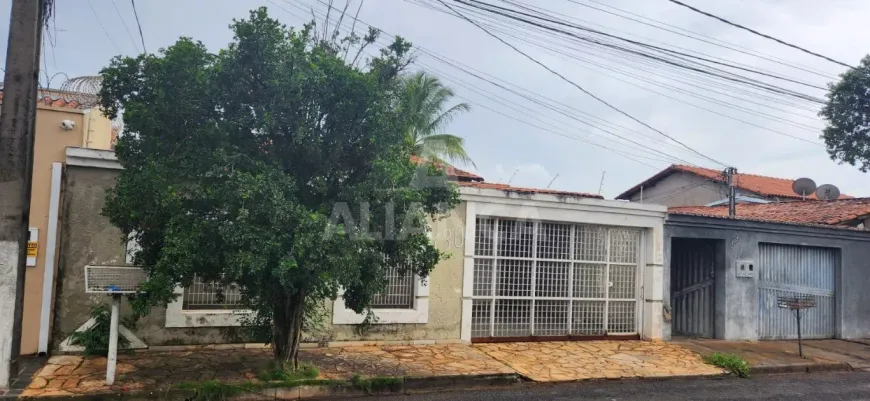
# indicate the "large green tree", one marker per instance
pixel 426 103
pixel 847 114
pixel 273 164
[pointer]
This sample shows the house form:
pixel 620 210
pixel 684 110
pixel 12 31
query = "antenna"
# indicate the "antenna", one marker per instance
pixel 827 192
pixel 512 176
pixel 601 184
pixel 551 181
pixel 803 187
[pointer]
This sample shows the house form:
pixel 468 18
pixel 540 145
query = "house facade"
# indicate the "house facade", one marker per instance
pixel 680 185
pixel 60 122
pixel 524 264
pixel 728 277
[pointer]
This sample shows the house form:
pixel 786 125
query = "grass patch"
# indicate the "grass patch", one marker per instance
pixel 214 390
pixel 372 384
pixel 730 362
pixel 273 372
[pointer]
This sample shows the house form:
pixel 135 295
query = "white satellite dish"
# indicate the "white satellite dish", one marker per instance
pixel 827 192
pixel 803 187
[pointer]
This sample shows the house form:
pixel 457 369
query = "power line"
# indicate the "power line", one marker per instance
pixel 516 108
pixel 126 28
pixel 761 34
pixel 675 54
pixel 136 14
pixel 115 45
pixel 698 36
pixel 578 86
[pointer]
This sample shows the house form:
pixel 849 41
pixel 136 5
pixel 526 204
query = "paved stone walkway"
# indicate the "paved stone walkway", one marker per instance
pixel 159 371
pixel 568 361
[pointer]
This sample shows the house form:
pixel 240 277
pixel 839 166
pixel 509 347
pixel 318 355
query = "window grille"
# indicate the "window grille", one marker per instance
pixel 201 295
pixel 534 278
pixel 399 293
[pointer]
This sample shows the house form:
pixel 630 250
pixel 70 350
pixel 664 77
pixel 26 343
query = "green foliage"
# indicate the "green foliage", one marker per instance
pixel 214 390
pixel 425 104
pixel 272 164
pixel 95 339
pixel 730 362
pixel 847 114
pixel 372 384
pixel 276 372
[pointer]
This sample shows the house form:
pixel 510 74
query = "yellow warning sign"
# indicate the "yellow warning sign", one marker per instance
pixel 32 248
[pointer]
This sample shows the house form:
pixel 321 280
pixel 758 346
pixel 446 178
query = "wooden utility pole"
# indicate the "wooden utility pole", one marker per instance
pixel 17 126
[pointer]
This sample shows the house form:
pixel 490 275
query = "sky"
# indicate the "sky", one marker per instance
pixel 513 140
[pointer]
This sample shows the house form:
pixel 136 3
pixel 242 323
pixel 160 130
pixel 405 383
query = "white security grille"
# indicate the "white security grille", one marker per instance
pixel 399 293
pixel 209 296
pixel 536 278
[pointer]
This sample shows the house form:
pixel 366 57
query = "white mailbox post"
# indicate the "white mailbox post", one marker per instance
pixel 116 281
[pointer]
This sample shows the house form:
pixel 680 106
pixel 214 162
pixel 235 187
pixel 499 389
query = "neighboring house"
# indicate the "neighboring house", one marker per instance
pixel 62 119
pixel 680 185
pixel 724 276
pixel 524 264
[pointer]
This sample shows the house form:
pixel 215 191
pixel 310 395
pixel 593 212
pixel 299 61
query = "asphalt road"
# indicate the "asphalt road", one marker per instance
pixel 812 386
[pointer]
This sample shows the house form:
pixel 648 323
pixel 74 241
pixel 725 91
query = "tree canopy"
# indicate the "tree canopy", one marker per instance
pixel 847 114
pixel 273 164
pixel 426 103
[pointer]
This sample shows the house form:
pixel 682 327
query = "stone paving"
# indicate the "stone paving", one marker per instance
pixel 156 372
pixel 569 361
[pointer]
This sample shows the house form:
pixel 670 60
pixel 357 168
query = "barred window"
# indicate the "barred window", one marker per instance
pixel 210 296
pixel 399 293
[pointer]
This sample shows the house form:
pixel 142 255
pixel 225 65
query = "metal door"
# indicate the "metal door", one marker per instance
pixel 693 267
pixel 540 279
pixel 787 270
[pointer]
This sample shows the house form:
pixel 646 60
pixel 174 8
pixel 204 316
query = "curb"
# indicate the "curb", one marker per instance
pixel 407 385
pixel 800 368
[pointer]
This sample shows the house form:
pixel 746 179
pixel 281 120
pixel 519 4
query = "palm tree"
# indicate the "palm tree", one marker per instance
pixel 425 101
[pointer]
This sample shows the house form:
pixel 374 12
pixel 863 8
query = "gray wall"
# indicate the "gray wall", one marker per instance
pixel 684 189
pixel 88 238
pixel 737 299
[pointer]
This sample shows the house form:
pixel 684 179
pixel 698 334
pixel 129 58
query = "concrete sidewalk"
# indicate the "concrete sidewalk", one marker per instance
pixel 452 365
pixel 783 357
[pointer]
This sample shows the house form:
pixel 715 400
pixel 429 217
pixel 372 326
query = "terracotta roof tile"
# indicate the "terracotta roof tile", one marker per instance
pixel 830 213
pixel 762 185
pixel 451 171
pixel 521 190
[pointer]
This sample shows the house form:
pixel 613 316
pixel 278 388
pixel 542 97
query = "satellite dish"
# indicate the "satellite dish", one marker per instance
pixel 803 186
pixel 827 192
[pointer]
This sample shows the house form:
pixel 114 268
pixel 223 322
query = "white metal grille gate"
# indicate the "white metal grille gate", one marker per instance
pixel 542 279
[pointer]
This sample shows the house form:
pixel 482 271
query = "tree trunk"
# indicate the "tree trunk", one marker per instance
pixel 287 328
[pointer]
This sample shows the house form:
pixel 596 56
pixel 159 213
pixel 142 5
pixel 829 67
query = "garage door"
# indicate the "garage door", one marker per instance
pixel 543 280
pixel 786 270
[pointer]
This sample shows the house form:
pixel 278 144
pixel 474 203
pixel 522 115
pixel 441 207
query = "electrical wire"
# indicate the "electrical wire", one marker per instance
pixel 675 55
pixel 139 24
pixel 780 41
pixel 126 28
pixel 701 37
pixel 115 45
pixel 580 87
pixel 524 111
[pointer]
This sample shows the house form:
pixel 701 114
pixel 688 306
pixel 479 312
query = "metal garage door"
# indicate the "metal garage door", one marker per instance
pixel 542 279
pixel 786 270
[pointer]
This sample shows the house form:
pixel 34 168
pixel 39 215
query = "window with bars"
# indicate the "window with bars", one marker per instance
pixel 201 295
pixel 535 278
pixel 399 293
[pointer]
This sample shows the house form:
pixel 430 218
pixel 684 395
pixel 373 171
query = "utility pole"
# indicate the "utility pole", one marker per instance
pixel 732 197
pixel 601 184
pixel 17 124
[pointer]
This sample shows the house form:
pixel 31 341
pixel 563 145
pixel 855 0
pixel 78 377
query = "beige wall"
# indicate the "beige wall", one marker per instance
pixel 445 293
pixel 50 146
